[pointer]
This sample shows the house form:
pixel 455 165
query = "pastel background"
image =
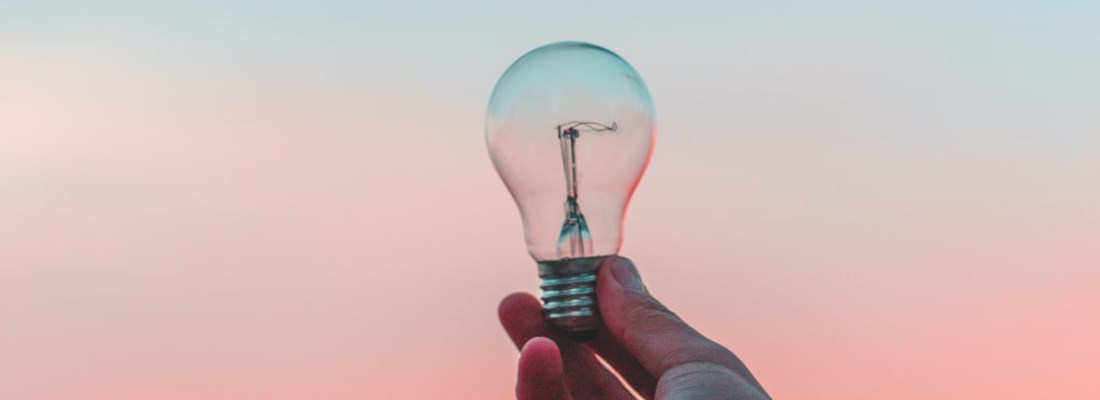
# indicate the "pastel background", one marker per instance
pixel 292 199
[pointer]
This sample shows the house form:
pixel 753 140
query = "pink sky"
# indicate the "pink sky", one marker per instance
pixel 904 217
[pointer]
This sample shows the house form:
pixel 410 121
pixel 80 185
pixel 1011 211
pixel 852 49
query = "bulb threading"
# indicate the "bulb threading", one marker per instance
pixel 569 294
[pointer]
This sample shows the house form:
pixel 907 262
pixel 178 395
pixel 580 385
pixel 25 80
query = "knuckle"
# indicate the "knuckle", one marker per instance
pixel 705 380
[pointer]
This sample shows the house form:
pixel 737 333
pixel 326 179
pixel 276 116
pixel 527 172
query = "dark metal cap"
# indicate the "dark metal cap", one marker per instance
pixel 569 295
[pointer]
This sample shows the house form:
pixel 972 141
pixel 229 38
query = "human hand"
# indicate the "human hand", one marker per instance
pixel 655 352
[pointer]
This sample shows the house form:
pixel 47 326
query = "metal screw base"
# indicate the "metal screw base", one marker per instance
pixel 569 295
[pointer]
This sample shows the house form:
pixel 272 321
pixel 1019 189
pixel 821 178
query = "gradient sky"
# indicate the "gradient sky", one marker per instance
pixel 292 200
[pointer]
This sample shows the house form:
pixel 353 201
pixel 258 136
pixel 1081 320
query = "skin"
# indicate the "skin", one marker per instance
pixel 657 354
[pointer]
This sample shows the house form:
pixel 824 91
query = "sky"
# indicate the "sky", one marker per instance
pixel 293 200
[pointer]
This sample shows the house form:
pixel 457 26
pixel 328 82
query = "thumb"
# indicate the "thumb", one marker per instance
pixel 652 333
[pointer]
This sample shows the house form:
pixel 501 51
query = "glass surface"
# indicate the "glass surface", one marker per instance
pixel 570 129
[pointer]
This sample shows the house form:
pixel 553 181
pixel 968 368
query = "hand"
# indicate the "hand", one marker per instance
pixel 655 352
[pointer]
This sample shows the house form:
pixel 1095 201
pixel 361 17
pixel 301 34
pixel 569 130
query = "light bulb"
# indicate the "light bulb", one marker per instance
pixel 570 129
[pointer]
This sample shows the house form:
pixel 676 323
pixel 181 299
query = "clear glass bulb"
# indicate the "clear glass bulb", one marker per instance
pixel 570 129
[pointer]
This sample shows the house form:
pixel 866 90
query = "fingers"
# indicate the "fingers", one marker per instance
pixel 657 338
pixel 586 378
pixel 519 313
pixel 541 373
pixel 642 340
pixel 616 355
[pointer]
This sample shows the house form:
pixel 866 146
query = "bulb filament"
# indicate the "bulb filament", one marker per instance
pixel 575 239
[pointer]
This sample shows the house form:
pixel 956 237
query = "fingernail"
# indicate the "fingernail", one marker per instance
pixel 624 272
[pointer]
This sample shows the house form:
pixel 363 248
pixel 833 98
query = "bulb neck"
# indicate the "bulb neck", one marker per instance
pixel 569 295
